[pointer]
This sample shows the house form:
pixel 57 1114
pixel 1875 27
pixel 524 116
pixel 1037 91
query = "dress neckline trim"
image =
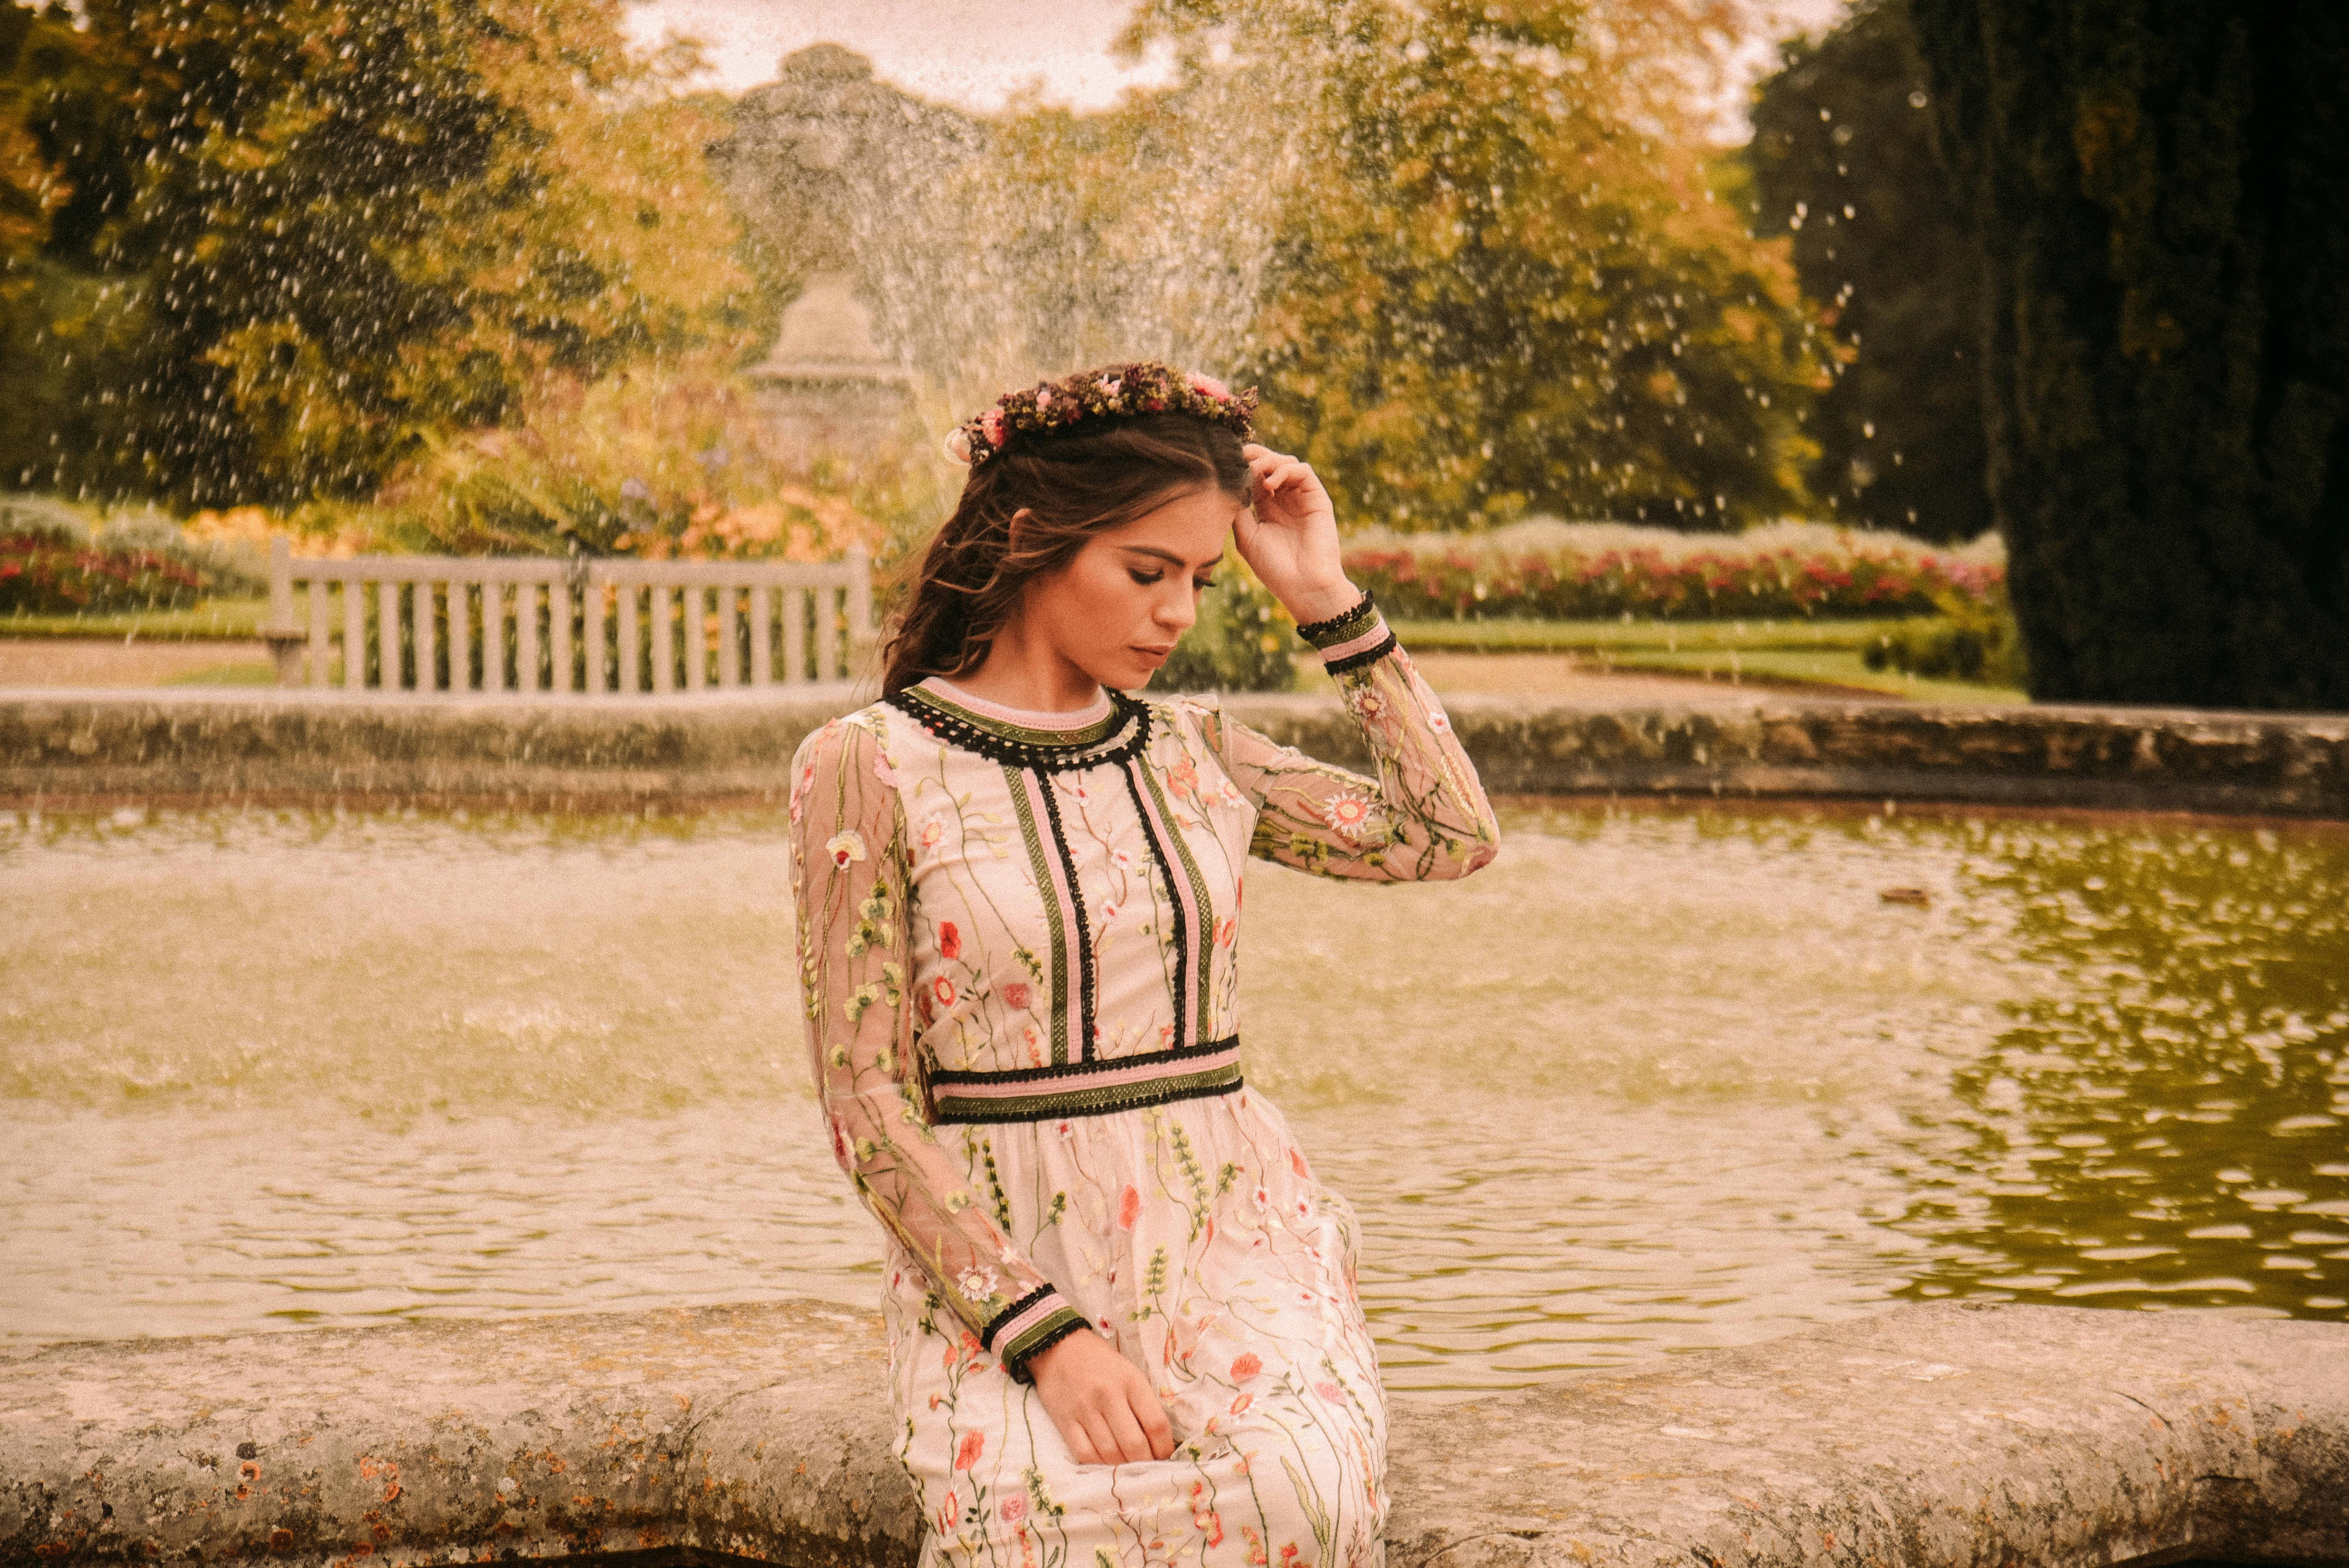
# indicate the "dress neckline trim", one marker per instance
pixel 1021 727
pixel 1040 718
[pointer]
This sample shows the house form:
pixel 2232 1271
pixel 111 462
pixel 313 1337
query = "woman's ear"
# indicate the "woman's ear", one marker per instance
pixel 1012 529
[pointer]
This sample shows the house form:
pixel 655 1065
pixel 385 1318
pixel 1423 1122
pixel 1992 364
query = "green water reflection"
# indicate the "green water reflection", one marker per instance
pixel 2166 1128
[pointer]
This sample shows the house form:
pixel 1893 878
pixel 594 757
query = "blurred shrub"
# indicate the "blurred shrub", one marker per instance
pixel 1971 640
pixel 1244 641
pixel 42 575
pixel 1554 571
pixel 668 462
pixel 56 558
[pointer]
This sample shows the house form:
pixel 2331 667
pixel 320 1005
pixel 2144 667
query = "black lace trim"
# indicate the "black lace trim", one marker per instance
pixel 1338 627
pixel 1386 646
pixel 1173 899
pixel 1053 1336
pixel 1131 734
pixel 1085 1026
pixel 986 1334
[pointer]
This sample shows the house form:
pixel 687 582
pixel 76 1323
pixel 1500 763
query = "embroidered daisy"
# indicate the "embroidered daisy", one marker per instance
pixel 846 846
pixel 979 1285
pixel 1349 813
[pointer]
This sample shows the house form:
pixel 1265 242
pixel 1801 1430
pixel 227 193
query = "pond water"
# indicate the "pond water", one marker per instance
pixel 1656 1081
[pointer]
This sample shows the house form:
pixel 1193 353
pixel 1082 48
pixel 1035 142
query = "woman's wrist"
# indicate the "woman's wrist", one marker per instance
pixel 1327 603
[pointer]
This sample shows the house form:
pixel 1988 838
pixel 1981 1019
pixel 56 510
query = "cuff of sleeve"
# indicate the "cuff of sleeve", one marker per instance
pixel 1371 643
pixel 1341 628
pixel 1029 1326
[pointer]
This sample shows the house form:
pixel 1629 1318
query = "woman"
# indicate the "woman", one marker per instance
pixel 1122 1313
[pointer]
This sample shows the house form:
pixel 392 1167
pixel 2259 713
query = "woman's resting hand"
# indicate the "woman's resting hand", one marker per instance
pixel 1101 1402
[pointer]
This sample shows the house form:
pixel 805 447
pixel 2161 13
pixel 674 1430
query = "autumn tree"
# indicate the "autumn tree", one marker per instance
pixel 295 241
pixel 1501 282
pixel 2163 196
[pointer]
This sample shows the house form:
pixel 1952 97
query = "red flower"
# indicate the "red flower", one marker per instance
pixel 1245 1367
pixel 1015 995
pixel 949 939
pixel 944 990
pixel 967 1455
pixel 1129 1209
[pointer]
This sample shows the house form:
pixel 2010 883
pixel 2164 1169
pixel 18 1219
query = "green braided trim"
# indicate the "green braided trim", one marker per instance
pixel 1342 628
pixel 1094 1101
pixel 1042 1336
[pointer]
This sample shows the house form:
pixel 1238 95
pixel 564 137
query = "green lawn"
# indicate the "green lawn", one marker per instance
pixel 1795 652
pixel 214 620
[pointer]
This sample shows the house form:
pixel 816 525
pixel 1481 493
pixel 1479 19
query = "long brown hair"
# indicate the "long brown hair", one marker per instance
pixel 1072 484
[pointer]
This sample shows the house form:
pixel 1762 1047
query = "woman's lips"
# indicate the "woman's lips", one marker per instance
pixel 1154 653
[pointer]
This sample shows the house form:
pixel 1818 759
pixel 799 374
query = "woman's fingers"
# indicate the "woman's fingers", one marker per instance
pixel 1125 1435
pixel 1156 1430
pixel 1081 1445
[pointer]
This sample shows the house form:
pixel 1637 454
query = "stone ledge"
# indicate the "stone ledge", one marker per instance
pixel 60 747
pixel 1926 1435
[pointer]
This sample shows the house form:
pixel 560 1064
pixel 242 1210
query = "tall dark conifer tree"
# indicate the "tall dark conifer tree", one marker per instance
pixel 1843 160
pixel 2162 188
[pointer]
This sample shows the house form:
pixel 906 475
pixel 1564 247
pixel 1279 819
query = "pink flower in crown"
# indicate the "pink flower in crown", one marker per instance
pixel 1210 386
pixel 1043 398
pixel 1110 384
pixel 990 424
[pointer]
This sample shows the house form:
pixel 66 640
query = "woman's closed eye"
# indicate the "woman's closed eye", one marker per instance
pixel 1198 584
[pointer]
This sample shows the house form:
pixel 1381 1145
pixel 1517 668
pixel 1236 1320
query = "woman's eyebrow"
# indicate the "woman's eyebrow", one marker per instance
pixel 1166 555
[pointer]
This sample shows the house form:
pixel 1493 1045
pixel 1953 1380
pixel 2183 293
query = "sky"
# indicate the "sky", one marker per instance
pixel 975 53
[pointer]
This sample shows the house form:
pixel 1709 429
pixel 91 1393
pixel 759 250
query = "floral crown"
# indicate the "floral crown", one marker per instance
pixel 1119 390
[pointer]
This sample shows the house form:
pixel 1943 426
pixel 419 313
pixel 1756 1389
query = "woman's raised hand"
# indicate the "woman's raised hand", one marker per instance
pixel 1289 536
pixel 1101 1402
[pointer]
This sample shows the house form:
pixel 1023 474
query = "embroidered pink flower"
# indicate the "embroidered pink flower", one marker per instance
pixel 1015 995
pixel 1013 1508
pixel 967 1454
pixel 1439 721
pixel 1297 1163
pixel 1246 1365
pixel 944 990
pixel 949 1511
pixel 932 831
pixel 882 771
pixel 845 847
pixel 1349 813
pixel 1183 779
pixel 1331 1392
pixel 1227 929
pixel 949 939
pixel 1240 1405
pixel 1129 1209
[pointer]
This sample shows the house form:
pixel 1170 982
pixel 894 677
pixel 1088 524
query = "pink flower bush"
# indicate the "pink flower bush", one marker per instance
pixel 1464 582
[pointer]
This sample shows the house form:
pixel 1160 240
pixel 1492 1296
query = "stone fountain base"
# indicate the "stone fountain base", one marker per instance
pixel 61 748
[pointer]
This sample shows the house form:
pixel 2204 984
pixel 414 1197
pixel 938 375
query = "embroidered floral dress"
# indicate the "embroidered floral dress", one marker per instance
pixel 1018 938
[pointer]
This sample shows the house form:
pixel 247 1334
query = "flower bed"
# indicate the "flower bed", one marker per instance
pixel 1588 572
pixel 41 574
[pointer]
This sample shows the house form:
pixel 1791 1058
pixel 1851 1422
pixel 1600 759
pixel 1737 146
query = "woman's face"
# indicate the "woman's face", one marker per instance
pixel 1118 608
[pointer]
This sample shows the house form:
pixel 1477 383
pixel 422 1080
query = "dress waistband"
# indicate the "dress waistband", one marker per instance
pixel 1088 1088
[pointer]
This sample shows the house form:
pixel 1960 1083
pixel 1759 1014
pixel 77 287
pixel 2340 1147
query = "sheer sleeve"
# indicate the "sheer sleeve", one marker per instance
pixel 850 860
pixel 1424 818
